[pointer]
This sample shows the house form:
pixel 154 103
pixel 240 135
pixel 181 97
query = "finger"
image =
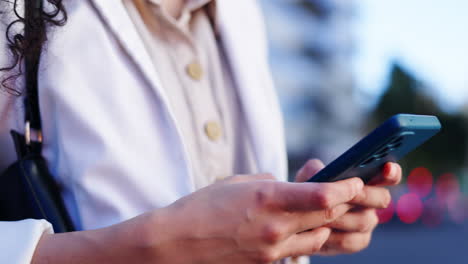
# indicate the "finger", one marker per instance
pixel 309 170
pixel 345 243
pixel 310 220
pixel 373 197
pixel 313 196
pixel 390 175
pixel 306 243
pixel 361 221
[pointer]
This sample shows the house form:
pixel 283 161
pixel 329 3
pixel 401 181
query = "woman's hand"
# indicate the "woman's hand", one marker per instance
pixel 352 232
pixel 253 219
pixel 243 219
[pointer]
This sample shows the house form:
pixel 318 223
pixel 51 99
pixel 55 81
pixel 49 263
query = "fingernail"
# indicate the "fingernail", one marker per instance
pixel 388 170
pixel 325 231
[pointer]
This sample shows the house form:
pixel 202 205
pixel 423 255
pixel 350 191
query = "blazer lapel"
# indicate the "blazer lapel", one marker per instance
pixel 120 25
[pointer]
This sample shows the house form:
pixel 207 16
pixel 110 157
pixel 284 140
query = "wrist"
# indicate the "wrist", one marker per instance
pixel 134 241
pixel 149 235
pixel 161 237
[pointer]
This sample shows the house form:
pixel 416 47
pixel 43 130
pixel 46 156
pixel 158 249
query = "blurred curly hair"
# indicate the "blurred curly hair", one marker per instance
pixel 20 45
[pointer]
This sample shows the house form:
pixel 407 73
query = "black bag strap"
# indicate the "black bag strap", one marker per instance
pixel 35 32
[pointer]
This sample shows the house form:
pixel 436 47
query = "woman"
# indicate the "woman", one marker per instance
pixel 161 122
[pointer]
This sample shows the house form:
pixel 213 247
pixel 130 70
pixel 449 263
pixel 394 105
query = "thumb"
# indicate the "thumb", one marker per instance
pixel 308 170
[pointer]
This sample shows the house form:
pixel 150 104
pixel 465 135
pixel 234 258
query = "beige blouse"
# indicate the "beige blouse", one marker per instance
pixel 196 77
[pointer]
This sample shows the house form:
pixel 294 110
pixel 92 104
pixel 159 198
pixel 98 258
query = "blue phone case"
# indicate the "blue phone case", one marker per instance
pixel 389 142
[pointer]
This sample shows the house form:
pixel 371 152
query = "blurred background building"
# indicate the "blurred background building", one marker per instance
pixel 342 67
pixel 311 51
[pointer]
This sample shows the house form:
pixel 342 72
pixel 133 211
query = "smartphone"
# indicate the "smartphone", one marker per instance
pixel 390 142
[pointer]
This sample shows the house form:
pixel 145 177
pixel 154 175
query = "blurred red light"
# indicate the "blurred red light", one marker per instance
pixel 409 208
pixel 420 182
pixel 432 215
pixel 385 215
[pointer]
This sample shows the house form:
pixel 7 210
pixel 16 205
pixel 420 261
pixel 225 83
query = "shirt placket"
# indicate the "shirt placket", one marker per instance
pixel 193 69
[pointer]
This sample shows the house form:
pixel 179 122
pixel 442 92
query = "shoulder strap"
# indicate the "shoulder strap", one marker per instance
pixel 34 32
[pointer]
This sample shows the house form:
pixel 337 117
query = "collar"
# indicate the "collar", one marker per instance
pixel 190 5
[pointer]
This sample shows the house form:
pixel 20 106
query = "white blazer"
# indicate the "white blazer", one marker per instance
pixel 110 134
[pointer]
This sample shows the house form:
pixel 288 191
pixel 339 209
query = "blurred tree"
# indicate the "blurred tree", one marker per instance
pixel 447 151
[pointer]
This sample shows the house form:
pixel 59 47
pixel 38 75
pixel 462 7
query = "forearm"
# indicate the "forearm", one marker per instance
pixel 122 243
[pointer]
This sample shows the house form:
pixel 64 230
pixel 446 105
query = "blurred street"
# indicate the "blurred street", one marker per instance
pixel 397 244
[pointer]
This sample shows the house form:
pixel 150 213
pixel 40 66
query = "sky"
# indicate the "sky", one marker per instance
pixel 429 37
